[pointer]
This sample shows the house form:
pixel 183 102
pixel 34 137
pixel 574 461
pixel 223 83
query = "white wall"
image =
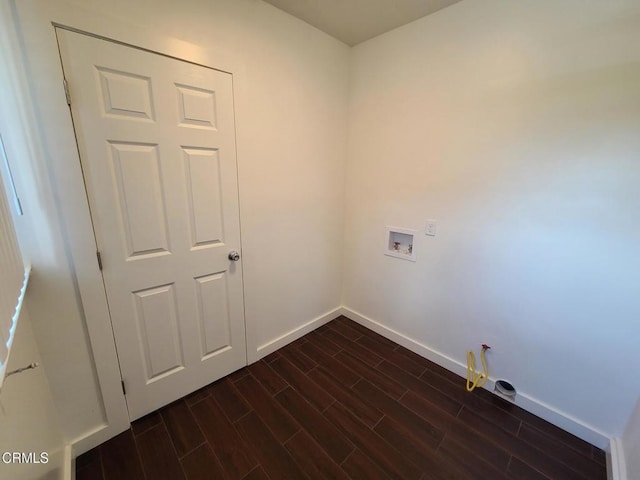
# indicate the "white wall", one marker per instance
pixel 631 444
pixel 29 419
pixel 291 156
pixel 515 125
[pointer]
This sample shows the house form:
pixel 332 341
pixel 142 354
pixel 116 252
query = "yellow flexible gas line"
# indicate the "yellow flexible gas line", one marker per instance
pixel 475 378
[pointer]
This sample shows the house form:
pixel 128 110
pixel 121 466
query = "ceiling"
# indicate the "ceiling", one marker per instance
pixel 354 21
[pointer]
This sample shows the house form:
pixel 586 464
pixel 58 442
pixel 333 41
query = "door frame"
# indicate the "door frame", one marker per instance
pixel 63 166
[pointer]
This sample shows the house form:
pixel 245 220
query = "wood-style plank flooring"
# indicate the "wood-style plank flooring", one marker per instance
pixel 342 402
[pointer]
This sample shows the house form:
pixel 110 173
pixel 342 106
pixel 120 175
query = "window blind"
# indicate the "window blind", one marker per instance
pixel 13 281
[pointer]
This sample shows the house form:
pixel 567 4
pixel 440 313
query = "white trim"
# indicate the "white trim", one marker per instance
pixel 68 463
pixel 533 405
pixel 296 333
pixel 616 465
pixel 62 167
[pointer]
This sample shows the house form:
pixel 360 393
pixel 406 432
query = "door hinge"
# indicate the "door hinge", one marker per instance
pixel 99 260
pixel 66 91
pixel 124 390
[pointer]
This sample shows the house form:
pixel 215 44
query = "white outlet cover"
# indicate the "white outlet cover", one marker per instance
pixel 431 228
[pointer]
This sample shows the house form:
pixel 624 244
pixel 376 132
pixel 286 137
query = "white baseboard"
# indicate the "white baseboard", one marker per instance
pixel 97 436
pixel 616 465
pixel 535 406
pixel 298 332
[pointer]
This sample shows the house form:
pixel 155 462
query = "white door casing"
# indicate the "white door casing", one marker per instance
pixel 156 137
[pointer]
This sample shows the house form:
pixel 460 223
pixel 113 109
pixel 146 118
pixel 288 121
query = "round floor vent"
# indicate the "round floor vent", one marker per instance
pixel 505 388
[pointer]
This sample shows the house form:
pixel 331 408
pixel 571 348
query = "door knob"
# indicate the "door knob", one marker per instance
pixel 234 256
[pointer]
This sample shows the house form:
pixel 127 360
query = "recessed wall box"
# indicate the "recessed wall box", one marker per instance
pixel 399 243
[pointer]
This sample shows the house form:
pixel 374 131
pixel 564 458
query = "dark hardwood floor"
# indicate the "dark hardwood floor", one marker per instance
pixel 342 402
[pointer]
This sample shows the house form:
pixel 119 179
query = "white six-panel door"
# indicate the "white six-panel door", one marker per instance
pixel 156 137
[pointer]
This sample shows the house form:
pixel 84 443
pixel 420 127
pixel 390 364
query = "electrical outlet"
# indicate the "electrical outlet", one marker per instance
pixel 431 228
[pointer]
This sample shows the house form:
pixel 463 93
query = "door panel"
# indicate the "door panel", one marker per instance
pixel 213 313
pixel 156 137
pixel 140 198
pixel 197 107
pixel 204 188
pixel 156 317
pixel 125 94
